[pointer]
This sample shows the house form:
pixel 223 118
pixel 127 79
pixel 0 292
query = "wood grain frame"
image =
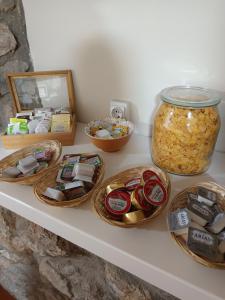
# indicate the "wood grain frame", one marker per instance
pixel 11 77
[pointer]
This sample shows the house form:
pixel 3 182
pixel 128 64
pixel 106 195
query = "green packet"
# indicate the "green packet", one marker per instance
pixel 17 128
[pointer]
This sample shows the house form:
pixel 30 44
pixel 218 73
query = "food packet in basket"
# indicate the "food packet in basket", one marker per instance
pixel 204 244
pixel 179 221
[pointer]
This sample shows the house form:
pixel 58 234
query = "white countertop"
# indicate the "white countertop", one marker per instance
pixel 146 251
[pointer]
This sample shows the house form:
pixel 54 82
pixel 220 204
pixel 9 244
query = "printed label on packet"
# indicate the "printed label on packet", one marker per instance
pixel 73 160
pixel 192 196
pixel 70 158
pixel 179 220
pixel 93 161
pixel 73 185
pixel 204 244
pixel 202 210
pixel 156 194
pixel 202 237
pixel 150 175
pixel 205 193
pixel 39 153
pixel 117 204
pixel 182 218
pixel 67 171
pixel 133 182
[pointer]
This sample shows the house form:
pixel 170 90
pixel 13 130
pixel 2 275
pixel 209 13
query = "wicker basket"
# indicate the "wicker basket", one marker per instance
pixel 180 201
pixel 99 194
pixel 49 180
pixel 12 159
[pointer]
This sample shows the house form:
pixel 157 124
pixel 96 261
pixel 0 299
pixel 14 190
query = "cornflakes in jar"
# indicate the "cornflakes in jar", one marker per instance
pixel 185 130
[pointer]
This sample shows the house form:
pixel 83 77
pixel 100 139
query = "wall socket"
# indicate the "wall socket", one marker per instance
pixel 120 109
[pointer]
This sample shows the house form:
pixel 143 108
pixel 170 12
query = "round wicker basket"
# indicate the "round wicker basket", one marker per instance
pixel 100 192
pixel 12 159
pixel 110 145
pixel 180 201
pixel 49 180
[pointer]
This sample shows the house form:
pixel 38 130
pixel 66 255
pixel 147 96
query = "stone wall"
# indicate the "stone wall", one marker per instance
pixel 14 51
pixel 35 264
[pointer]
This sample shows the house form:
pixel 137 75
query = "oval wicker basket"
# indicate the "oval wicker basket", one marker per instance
pixel 100 192
pixel 49 180
pixel 180 201
pixel 12 159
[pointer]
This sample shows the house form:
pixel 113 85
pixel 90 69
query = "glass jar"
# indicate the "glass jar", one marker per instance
pixel 185 129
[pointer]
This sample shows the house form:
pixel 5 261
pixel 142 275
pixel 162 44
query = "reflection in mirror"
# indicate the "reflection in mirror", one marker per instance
pixel 44 91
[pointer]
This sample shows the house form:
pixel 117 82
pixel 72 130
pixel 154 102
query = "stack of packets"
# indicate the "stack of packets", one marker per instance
pixel 76 177
pixel 30 164
pixel 201 224
pixel 108 128
pixel 41 120
pixel 136 199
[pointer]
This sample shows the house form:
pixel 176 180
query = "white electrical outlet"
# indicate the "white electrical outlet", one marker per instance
pixel 119 109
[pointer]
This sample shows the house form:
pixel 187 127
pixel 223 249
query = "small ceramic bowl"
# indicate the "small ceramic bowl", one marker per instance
pixel 106 144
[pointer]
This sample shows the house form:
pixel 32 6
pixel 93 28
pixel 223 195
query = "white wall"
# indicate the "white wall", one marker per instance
pixel 128 49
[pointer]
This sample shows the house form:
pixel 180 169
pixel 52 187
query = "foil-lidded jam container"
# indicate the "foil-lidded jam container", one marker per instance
pixel 133 217
pixel 118 202
pixel 155 192
pixel 133 183
pixel 138 200
pixel 114 186
pixel 149 175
